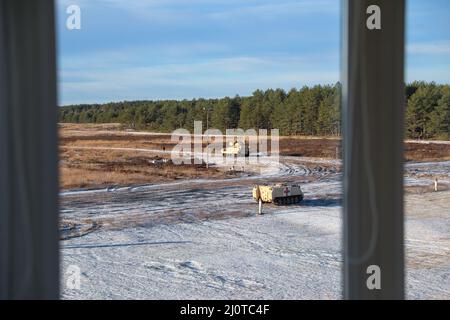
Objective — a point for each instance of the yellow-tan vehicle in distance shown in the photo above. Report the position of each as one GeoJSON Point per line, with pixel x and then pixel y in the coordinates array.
{"type": "Point", "coordinates": [278, 194]}
{"type": "Point", "coordinates": [235, 148]}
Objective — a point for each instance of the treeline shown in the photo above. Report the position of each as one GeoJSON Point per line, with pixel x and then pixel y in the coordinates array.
{"type": "Point", "coordinates": [427, 111]}
{"type": "Point", "coordinates": [306, 111]}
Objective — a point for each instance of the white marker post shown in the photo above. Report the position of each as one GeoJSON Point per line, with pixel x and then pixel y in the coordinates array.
{"type": "Point", "coordinates": [260, 206]}
{"type": "Point", "coordinates": [435, 185]}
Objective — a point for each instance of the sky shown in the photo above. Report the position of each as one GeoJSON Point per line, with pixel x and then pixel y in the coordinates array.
{"type": "Point", "coordinates": [184, 49]}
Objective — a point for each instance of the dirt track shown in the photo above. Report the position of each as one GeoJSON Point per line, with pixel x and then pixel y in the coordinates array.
{"type": "Point", "coordinates": [95, 156]}
{"type": "Point", "coordinates": [214, 193]}
{"type": "Point", "coordinates": [211, 199]}
{"type": "Point", "coordinates": [194, 238]}
{"type": "Point", "coordinates": [202, 239]}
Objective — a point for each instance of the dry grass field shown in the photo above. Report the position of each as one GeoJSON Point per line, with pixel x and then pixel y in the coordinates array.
{"type": "Point", "coordinates": [107, 155]}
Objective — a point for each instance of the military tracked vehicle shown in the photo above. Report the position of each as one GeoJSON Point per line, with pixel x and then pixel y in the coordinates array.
{"type": "Point", "coordinates": [236, 148]}
{"type": "Point", "coordinates": [279, 194]}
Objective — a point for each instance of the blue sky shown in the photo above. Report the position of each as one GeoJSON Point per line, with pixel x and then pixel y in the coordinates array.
{"type": "Point", "coordinates": [183, 49]}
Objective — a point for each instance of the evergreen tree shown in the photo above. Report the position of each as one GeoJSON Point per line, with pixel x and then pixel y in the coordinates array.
{"type": "Point", "coordinates": [440, 117]}
{"type": "Point", "coordinates": [419, 109]}
{"type": "Point", "coordinates": [309, 111]}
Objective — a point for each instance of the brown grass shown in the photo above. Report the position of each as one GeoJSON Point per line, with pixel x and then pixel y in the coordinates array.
{"type": "Point", "coordinates": [85, 168]}
{"type": "Point", "coordinates": [426, 152]}
{"type": "Point", "coordinates": [101, 168]}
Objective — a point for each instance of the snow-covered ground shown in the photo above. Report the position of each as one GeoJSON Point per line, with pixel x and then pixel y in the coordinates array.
{"type": "Point", "coordinates": [201, 238]}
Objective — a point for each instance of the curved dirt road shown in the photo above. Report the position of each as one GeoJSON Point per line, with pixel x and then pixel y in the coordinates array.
{"type": "Point", "coordinates": [196, 239]}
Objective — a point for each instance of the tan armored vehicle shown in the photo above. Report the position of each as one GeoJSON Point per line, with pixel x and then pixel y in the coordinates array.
{"type": "Point", "coordinates": [278, 193]}
{"type": "Point", "coordinates": [235, 148]}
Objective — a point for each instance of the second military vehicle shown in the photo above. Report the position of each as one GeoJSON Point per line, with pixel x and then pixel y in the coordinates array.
{"type": "Point", "coordinates": [278, 194]}
{"type": "Point", "coordinates": [235, 148]}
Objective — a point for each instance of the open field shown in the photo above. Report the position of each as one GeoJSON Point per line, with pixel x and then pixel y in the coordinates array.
{"type": "Point", "coordinates": [288, 253]}
{"type": "Point", "coordinates": [152, 230]}
{"type": "Point", "coordinates": [96, 156]}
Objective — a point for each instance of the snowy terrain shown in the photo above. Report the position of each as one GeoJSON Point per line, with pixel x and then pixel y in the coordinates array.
{"type": "Point", "coordinates": [201, 238]}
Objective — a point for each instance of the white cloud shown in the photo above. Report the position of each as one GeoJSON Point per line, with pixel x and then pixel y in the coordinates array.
{"type": "Point", "coordinates": [206, 78]}
{"type": "Point", "coordinates": [184, 67]}
{"type": "Point", "coordinates": [430, 48]}
{"type": "Point", "coordinates": [439, 74]}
